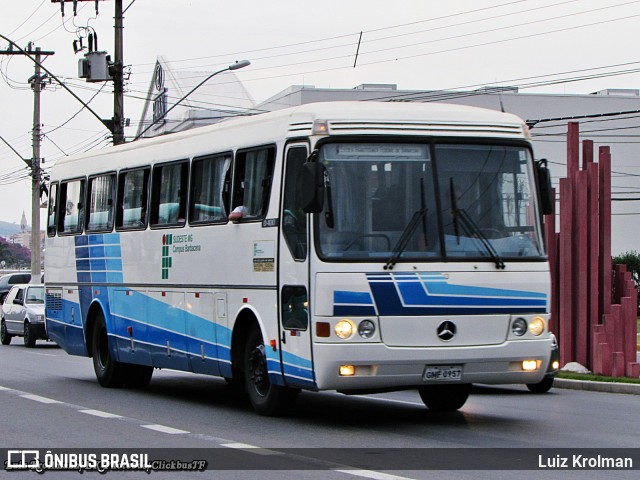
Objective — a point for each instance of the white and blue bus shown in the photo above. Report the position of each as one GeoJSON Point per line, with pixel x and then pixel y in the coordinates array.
{"type": "Point", "coordinates": [349, 246]}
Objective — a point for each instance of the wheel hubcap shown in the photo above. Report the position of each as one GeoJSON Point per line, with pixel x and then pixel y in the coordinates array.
{"type": "Point", "coordinates": [258, 370]}
{"type": "Point", "coordinates": [102, 349]}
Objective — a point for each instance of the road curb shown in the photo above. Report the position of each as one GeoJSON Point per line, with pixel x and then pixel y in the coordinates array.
{"type": "Point", "coordinates": [608, 387]}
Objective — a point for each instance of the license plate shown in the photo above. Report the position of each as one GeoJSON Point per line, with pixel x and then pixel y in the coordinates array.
{"type": "Point", "coordinates": [451, 373]}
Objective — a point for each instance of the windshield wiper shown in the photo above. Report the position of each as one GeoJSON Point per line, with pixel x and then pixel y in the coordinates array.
{"type": "Point", "coordinates": [328, 215]}
{"type": "Point", "coordinates": [405, 237]}
{"type": "Point", "coordinates": [471, 228]}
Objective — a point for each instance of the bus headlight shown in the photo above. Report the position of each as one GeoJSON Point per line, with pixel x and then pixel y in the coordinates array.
{"type": "Point", "coordinates": [536, 325]}
{"type": "Point", "coordinates": [519, 327]}
{"type": "Point", "coordinates": [344, 328]}
{"type": "Point", "coordinates": [366, 329]}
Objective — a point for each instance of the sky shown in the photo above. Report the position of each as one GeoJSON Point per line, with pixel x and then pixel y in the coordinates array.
{"type": "Point", "coordinates": [416, 44]}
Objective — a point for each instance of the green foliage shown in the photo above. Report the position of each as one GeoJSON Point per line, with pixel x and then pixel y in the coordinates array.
{"type": "Point", "coordinates": [596, 378]}
{"type": "Point", "coordinates": [632, 260]}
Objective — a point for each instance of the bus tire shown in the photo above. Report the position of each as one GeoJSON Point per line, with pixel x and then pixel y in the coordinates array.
{"type": "Point", "coordinates": [266, 398]}
{"type": "Point", "coordinates": [137, 376]}
{"type": "Point", "coordinates": [29, 335]}
{"type": "Point", "coordinates": [5, 337]}
{"type": "Point", "coordinates": [109, 372]}
{"type": "Point", "coordinates": [541, 387]}
{"type": "Point", "coordinates": [445, 398]}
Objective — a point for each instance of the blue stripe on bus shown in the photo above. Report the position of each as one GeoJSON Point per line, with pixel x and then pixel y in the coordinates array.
{"type": "Point", "coordinates": [412, 294]}
{"type": "Point", "coordinates": [153, 323]}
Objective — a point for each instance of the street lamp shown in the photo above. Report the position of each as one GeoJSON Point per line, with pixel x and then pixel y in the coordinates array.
{"type": "Point", "coordinates": [234, 66]}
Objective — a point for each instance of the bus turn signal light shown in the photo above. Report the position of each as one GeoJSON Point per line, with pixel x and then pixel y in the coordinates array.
{"type": "Point", "coordinates": [323, 329]}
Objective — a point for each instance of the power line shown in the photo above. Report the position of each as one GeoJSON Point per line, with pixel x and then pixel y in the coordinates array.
{"type": "Point", "coordinates": [578, 117]}
{"type": "Point", "coordinates": [353, 34]}
{"type": "Point", "coordinates": [77, 113]}
{"type": "Point", "coordinates": [27, 19]}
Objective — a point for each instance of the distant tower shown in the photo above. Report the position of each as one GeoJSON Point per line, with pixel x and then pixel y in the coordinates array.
{"type": "Point", "coordinates": [23, 222]}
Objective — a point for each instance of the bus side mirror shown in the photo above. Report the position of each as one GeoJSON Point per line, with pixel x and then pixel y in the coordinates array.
{"type": "Point", "coordinates": [312, 186]}
{"type": "Point", "coordinates": [544, 187]}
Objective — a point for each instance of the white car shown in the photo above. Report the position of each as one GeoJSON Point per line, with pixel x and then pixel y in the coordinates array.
{"type": "Point", "coordinates": [23, 314]}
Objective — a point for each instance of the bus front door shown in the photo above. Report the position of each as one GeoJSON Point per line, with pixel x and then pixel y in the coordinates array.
{"type": "Point", "coordinates": [295, 329]}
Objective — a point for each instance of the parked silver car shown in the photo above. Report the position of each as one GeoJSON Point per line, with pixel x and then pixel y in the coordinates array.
{"type": "Point", "coordinates": [23, 314]}
{"type": "Point", "coordinates": [9, 280]}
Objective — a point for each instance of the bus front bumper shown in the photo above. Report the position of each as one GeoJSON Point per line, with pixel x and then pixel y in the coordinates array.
{"type": "Point", "coordinates": [346, 367]}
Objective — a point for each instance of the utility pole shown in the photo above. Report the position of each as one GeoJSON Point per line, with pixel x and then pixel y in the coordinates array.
{"type": "Point", "coordinates": [34, 164]}
{"type": "Point", "coordinates": [118, 77]}
{"type": "Point", "coordinates": [115, 69]}
{"type": "Point", "coordinates": [36, 174]}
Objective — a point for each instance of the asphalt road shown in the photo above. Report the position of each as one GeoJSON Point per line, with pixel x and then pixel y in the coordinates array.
{"type": "Point", "coordinates": [51, 400]}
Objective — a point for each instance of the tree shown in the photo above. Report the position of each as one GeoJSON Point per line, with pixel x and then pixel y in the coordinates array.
{"type": "Point", "coordinates": [14, 255]}
{"type": "Point", "coordinates": [632, 260]}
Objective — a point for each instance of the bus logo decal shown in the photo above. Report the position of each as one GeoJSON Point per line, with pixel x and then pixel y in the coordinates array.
{"type": "Point", "coordinates": [167, 241]}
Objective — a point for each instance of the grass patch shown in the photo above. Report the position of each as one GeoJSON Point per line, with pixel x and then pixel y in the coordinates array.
{"type": "Point", "coordinates": [596, 378]}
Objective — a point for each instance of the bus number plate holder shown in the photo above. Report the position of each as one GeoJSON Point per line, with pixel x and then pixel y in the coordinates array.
{"type": "Point", "coordinates": [441, 373]}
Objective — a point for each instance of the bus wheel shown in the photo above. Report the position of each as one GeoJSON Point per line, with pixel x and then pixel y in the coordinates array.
{"type": "Point", "coordinates": [444, 398]}
{"type": "Point", "coordinates": [137, 376]}
{"type": "Point", "coordinates": [109, 372]}
{"type": "Point", "coordinates": [5, 337]}
{"type": "Point", "coordinates": [266, 398]}
{"type": "Point", "coordinates": [541, 387]}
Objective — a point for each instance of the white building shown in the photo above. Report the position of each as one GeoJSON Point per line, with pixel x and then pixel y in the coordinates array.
{"type": "Point", "coordinates": [221, 97]}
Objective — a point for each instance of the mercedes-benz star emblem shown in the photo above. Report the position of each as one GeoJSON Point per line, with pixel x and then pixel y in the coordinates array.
{"type": "Point", "coordinates": [446, 330]}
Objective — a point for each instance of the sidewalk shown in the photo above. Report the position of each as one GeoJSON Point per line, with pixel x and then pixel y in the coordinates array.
{"type": "Point", "coordinates": [609, 387]}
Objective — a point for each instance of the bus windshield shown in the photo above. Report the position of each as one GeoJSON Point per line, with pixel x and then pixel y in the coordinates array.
{"type": "Point", "coordinates": [394, 202]}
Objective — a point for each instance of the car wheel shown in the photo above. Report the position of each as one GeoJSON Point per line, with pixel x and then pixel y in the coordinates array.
{"type": "Point", "coordinates": [5, 337]}
{"type": "Point", "coordinates": [29, 335]}
{"type": "Point", "coordinates": [541, 387]}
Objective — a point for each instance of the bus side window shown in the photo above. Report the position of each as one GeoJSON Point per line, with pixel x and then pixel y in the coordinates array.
{"type": "Point", "coordinates": [51, 209]}
{"type": "Point", "coordinates": [252, 181]}
{"type": "Point", "coordinates": [169, 194]}
{"type": "Point", "coordinates": [293, 218]}
{"type": "Point", "coordinates": [100, 196]}
{"type": "Point", "coordinates": [72, 207]}
{"type": "Point", "coordinates": [133, 188]}
{"type": "Point", "coordinates": [208, 193]}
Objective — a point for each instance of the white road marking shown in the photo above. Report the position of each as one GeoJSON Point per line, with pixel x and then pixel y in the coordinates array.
{"type": "Point", "coordinates": [101, 414]}
{"type": "Point", "coordinates": [38, 398]}
{"type": "Point", "coordinates": [165, 429]}
{"type": "Point", "coordinates": [250, 448]}
{"type": "Point", "coordinates": [372, 474]}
